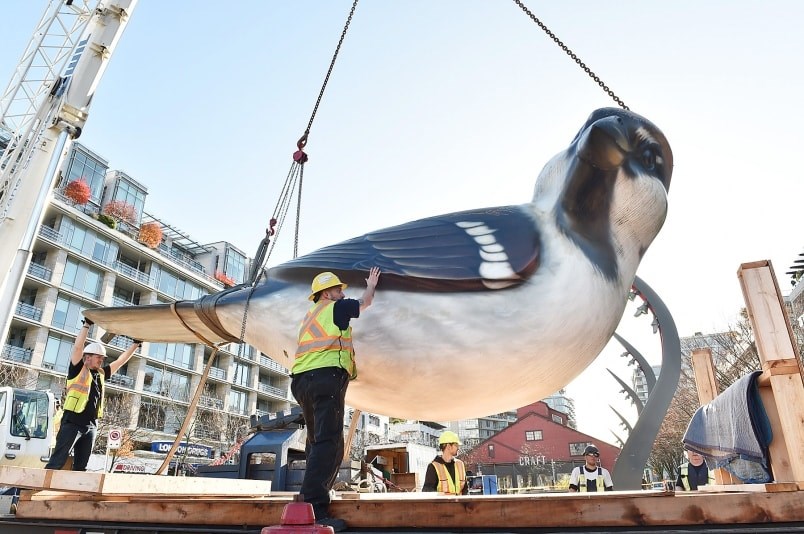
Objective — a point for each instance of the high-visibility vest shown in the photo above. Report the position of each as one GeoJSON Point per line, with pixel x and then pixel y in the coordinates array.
{"type": "Point", "coordinates": [601, 485]}
{"type": "Point", "coordinates": [685, 476]}
{"type": "Point", "coordinates": [445, 482]}
{"type": "Point", "coordinates": [77, 395]}
{"type": "Point", "coordinates": [322, 343]}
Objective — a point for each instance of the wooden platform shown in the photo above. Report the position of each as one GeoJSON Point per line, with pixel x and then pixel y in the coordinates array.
{"type": "Point", "coordinates": [434, 512]}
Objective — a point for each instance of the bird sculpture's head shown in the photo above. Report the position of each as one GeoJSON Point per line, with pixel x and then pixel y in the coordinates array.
{"type": "Point", "coordinates": [608, 190]}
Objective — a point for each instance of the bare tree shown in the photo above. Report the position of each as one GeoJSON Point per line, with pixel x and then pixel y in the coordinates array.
{"type": "Point", "coordinates": [14, 375]}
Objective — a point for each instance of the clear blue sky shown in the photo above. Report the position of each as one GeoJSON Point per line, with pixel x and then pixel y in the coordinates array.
{"type": "Point", "coordinates": [456, 104]}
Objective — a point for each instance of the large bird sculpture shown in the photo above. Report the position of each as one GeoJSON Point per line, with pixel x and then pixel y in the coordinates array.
{"type": "Point", "coordinates": [476, 312]}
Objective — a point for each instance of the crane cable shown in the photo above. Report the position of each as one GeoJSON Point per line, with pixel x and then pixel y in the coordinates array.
{"type": "Point", "coordinates": [571, 54]}
{"type": "Point", "coordinates": [295, 176]}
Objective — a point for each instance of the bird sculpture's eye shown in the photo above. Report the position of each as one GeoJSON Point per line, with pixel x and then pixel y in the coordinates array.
{"type": "Point", "coordinates": [649, 159]}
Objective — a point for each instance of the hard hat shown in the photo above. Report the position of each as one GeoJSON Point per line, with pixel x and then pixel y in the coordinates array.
{"type": "Point", "coordinates": [95, 348]}
{"type": "Point", "coordinates": [324, 281]}
{"type": "Point", "coordinates": [591, 449]}
{"type": "Point", "coordinates": [448, 436]}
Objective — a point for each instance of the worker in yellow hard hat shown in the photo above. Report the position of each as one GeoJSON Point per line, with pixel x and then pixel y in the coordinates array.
{"type": "Point", "coordinates": [446, 473]}
{"type": "Point", "coordinates": [324, 364]}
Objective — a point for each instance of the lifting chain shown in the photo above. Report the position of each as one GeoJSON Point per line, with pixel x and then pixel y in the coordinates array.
{"type": "Point", "coordinates": [295, 175]}
{"type": "Point", "coordinates": [571, 54]}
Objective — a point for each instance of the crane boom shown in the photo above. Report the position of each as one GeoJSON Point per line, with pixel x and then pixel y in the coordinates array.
{"type": "Point", "coordinates": [38, 145]}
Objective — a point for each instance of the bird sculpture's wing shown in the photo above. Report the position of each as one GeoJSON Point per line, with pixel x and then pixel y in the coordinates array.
{"type": "Point", "coordinates": [490, 248]}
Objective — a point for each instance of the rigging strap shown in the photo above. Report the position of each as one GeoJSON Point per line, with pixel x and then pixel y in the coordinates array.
{"type": "Point", "coordinates": [571, 54]}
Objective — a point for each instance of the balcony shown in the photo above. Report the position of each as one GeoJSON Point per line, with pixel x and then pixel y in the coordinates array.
{"type": "Point", "coordinates": [215, 372]}
{"type": "Point", "coordinates": [28, 311]}
{"type": "Point", "coordinates": [270, 364]}
{"type": "Point", "coordinates": [121, 380]}
{"type": "Point", "coordinates": [265, 388]}
{"type": "Point", "coordinates": [204, 433]}
{"type": "Point", "coordinates": [210, 402]}
{"type": "Point", "coordinates": [40, 271]}
{"type": "Point", "coordinates": [50, 234]}
{"type": "Point", "coordinates": [17, 354]}
{"type": "Point", "coordinates": [181, 259]}
{"type": "Point", "coordinates": [131, 272]}
{"type": "Point", "coordinates": [121, 342]}
{"type": "Point", "coordinates": [117, 301]}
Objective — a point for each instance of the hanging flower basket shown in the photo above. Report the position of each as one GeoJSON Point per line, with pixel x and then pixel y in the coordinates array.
{"type": "Point", "coordinates": [78, 191]}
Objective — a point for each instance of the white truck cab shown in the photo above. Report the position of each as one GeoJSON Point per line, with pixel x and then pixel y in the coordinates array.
{"type": "Point", "coordinates": [26, 426]}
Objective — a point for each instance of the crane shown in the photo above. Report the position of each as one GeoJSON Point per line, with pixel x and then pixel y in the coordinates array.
{"type": "Point", "coordinates": [42, 111]}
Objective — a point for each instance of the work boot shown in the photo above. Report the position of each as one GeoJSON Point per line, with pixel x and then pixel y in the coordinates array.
{"type": "Point", "coordinates": [338, 525]}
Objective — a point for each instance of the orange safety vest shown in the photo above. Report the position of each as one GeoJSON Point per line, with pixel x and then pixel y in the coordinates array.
{"type": "Point", "coordinates": [445, 482]}
{"type": "Point", "coordinates": [77, 395]}
{"type": "Point", "coordinates": [322, 343]}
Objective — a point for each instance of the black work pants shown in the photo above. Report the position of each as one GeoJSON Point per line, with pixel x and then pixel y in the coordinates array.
{"type": "Point", "coordinates": [321, 394]}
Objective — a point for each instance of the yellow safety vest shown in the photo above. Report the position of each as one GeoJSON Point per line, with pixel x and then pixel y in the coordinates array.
{"type": "Point", "coordinates": [78, 391]}
{"type": "Point", "coordinates": [599, 480]}
{"type": "Point", "coordinates": [322, 343]}
{"type": "Point", "coordinates": [445, 482]}
{"type": "Point", "coordinates": [685, 477]}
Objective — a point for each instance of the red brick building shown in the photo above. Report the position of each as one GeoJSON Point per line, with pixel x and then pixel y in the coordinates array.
{"type": "Point", "coordinates": [539, 449]}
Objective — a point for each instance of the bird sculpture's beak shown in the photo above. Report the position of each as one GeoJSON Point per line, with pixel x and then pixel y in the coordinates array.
{"type": "Point", "coordinates": [604, 144]}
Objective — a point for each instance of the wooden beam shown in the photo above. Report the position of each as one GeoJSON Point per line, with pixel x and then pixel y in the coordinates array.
{"type": "Point", "coordinates": [764, 304]}
{"type": "Point", "coordinates": [385, 511]}
{"type": "Point", "coordinates": [110, 484]}
{"type": "Point", "coordinates": [706, 383]}
{"type": "Point", "coordinates": [351, 435]}
{"type": "Point", "coordinates": [778, 354]}
{"type": "Point", "coordinates": [705, 379]}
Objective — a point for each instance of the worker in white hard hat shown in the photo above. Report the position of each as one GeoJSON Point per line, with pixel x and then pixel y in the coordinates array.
{"type": "Point", "coordinates": [324, 364]}
{"type": "Point", "coordinates": [447, 474]}
{"type": "Point", "coordinates": [83, 399]}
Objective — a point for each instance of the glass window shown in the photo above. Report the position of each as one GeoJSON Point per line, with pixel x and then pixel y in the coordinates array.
{"type": "Point", "coordinates": [533, 435]}
{"type": "Point", "coordinates": [235, 265]}
{"type": "Point", "coordinates": [242, 376]}
{"type": "Point", "coordinates": [82, 165]}
{"type": "Point", "coordinates": [166, 383]}
{"type": "Point", "coordinates": [558, 419]}
{"type": "Point", "coordinates": [82, 278]}
{"type": "Point", "coordinates": [237, 401]}
{"type": "Point", "coordinates": [57, 353]}
{"type": "Point", "coordinates": [29, 412]}
{"type": "Point", "coordinates": [576, 449]}
{"type": "Point", "coordinates": [128, 192]}
{"type": "Point", "coordinates": [67, 314]}
{"type": "Point", "coordinates": [178, 354]}
{"type": "Point", "coordinates": [151, 416]}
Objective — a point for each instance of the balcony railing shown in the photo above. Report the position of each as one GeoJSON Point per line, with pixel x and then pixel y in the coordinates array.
{"type": "Point", "coordinates": [204, 433]}
{"type": "Point", "coordinates": [17, 354]}
{"type": "Point", "coordinates": [40, 271]}
{"type": "Point", "coordinates": [131, 272]}
{"type": "Point", "coordinates": [265, 388]}
{"type": "Point", "coordinates": [181, 259]}
{"type": "Point", "coordinates": [29, 311]}
{"type": "Point", "coordinates": [122, 380]}
{"type": "Point", "coordinates": [215, 372]}
{"type": "Point", "coordinates": [49, 233]}
{"type": "Point", "coordinates": [270, 364]}
{"type": "Point", "coordinates": [117, 301]}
